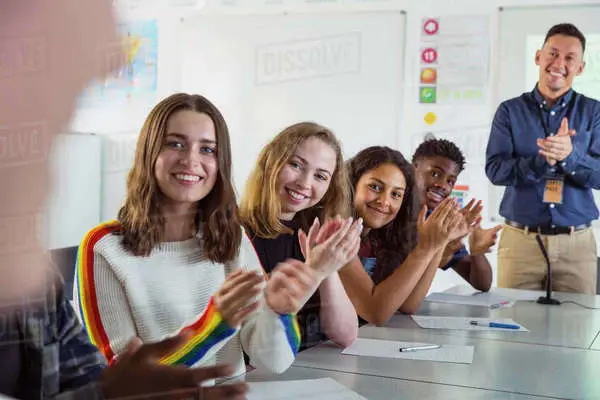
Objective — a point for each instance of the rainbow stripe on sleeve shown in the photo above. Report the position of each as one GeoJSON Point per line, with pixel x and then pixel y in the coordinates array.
{"type": "Point", "coordinates": [292, 331]}
{"type": "Point", "coordinates": [84, 279]}
{"type": "Point", "coordinates": [208, 330]}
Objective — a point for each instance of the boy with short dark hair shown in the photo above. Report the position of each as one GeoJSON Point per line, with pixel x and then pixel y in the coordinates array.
{"type": "Point", "coordinates": [437, 164]}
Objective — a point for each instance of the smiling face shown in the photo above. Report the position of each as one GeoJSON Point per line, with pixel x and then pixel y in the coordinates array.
{"type": "Point", "coordinates": [305, 178]}
{"type": "Point", "coordinates": [379, 194]}
{"type": "Point", "coordinates": [560, 60]}
{"type": "Point", "coordinates": [186, 168]}
{"type": "Point", "coordinates": [436, 177]}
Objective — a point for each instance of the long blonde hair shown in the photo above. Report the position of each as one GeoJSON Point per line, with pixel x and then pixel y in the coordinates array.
{"type": "Point", "coordinates": [260, 207]}
{"type": "Point", "coordinates": [141, 220]}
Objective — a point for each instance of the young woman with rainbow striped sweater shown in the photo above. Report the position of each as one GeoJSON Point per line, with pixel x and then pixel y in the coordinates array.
{"type": "Point", "coordinates": [177, 261]}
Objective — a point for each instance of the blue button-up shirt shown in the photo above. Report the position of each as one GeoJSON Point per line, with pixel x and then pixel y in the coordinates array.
{"type": "Point", "coordinates": [512, 159]}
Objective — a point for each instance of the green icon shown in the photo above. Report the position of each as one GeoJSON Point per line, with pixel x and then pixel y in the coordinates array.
{"type": "Point", "coordinates": [427, 95]}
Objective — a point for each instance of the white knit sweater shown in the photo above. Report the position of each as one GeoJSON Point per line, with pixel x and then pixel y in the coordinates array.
{"type": "Point", "coordinates": [119, 296]}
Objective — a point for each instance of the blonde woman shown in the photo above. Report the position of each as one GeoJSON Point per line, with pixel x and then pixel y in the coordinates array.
{"type": "Point", "coordinates": [299, 180]}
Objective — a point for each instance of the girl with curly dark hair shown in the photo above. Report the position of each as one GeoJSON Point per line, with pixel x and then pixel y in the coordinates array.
{"type": "Point", "coordinates": [393, 270]}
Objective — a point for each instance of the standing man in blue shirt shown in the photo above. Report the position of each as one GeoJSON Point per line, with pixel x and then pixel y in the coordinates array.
{"type": "Point", "coordinates": [544, 147]}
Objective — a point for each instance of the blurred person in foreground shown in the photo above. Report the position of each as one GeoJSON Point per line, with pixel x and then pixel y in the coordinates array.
{"type": "Point", "coordinates": [49, 51]}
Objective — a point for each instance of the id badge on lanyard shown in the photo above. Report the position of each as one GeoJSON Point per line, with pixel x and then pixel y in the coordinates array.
{"type": "Point", "coordinates": [553, 192]}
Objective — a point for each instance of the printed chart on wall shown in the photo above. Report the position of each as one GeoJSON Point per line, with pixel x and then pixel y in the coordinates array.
{"type": "Point", "coordinates": [453, 60]}
{"type": "Point", "coordinates": [136, 81]}
{"type": "Point", "coordinates": [452, 76]}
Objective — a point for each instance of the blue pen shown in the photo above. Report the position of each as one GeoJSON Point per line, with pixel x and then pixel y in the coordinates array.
{"type": "Point", "coordinates": [495, 325]}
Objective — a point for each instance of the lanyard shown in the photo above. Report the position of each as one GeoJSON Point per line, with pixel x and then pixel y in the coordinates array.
{"type": "Point", "coordinates": [543, 119]}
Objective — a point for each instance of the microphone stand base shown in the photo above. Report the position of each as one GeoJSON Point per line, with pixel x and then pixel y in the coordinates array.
{"type": "Point", "coordinates": [548, 301]}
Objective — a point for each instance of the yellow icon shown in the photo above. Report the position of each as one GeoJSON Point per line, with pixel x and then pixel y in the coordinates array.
{"type": "Point", "coordinates": [430, 118]}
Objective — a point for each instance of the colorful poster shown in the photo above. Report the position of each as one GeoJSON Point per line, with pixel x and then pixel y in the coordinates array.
{"type": "Point", "coordinates": [137, 79]}
{"type": "Point", "coordinates": [454, 57]}
{"type": "Point", "coordinates": [460, 193]}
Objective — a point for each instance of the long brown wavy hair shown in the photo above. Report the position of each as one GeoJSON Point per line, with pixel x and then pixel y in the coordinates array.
{"type": "Point", "coordinates": [141, 219]}
{"type": "Point", "coordinates": [395, 240]}
{"type": "Point", "coordinates": [260, 207]}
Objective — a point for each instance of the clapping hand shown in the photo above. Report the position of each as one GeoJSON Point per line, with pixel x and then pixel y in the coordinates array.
{"type": "Point", "coordinates": [444, 225]}
{"type": "Point", "coordinates": [472, 212]}
{"type": "Point", "coordinates": [329, 247]}
{"type": "Point", "coordinates": [138, 374]}
{"type": "Point", "coordinates": [472, 216]}
{"type": "Point", "coordinates": [291, 284]}
{"type": "Point", "coordinates": [236, 298]}
{"type": "Point", "coordinates": [481, 240]}
{"type": "Point", "coordinates": [558, 147]}
{"type": "Point", "coordinates": [449, 251]}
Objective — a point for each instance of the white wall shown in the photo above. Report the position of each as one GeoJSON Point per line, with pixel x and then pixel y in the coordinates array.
{"type": "Point", "coordinates": [268, 72]}
{"type": "Point", "coordinates": [451, 120]}
{"type": "Point", "coordinates": [117, 159]}
{"type": "Point", "coordinates": [74, 201]}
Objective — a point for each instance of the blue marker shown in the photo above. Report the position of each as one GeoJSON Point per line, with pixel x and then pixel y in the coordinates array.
{"type": "Point", "coordinates": [496, 325]}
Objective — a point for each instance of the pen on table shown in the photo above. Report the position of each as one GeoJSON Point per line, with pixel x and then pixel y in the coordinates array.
{"type": "Point", "coordinates": [417, 348]}
{"type": "Point", "coordinates": [498, 305]}
{"type": "Point", "coordinates": [496, 325]}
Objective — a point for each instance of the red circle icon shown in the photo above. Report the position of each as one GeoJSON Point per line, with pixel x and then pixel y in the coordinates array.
{"type": "Point", "coordinates": [429, 55]}
{"type": "Point", "coordinates": [431, 26]}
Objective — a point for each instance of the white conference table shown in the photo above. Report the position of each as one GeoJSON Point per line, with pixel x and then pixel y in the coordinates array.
{"type": "Point", "coordinates": [381, 388]}
{"type": "Point", "coordinates": [553, 360]}
{"type": "Point", "coordinates": [566, 325]}
{"type": "Point", "coordinates": [538, 370]}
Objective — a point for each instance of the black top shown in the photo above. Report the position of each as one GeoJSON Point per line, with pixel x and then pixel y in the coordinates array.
{"type": "Point", "coordinates": [10, 354]}
{"type": "Point", "coordinates": [283, 247]}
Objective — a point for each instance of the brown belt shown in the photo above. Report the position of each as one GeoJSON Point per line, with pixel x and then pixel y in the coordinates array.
{"type": "Point", "coordinates": [548, 230]}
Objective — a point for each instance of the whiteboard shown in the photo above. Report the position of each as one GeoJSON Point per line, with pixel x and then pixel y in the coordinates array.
{"type": "Point", "coordinates": [73, 205]}
{"type": "Point", "coordinates": [522, 32]}
{"type": "Point", "coordinates": [343, 71]}
{"type": "Point", "coordinates": [118, 152]}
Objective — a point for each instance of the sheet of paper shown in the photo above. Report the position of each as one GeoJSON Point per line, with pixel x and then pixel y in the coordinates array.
{"type": "Point", "coordinates": [464, 323]}
{"type": "Point", "coordinates": [514, 294]}
{"type": "Point", "coordinates": [490, 300]}
{"type": "Point", "coordinates": [322, 389]}
{"type": "Point", "coordinates": [391, 349]}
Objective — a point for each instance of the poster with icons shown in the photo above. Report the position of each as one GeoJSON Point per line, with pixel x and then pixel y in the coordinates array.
{"type": "Point", "coordinates": [428, 56]}
{"type": "Point", "coordinates": [454, 60]}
